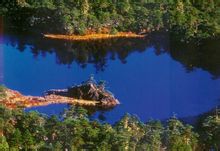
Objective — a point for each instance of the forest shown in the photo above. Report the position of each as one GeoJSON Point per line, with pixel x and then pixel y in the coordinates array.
{"type": "Point", "coordinates": [189, 19]}
{"type": "Point", "coordinates": [76, 131]}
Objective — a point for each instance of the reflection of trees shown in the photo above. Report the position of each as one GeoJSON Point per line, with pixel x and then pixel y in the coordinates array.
{"type": "Point", "coordinates": [206, 55]}
{"type": "Point", "coordinates": [83, 52]}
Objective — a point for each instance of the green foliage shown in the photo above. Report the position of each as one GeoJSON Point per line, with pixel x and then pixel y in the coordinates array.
{"type": "Point", "coordinates": [180, 137]}
{"type": "Point", "coordinates": [15, 140]}
{"type": "Point", "coordinates": [152, 139]}
{"type": "Point", "coordinates": [114, 31]}
{"type": "Point", "coordinates": [210, 132]}
{"type": "Point", "coordinates": [3, 144]}
{"type": "Point", "coordinates": [188, 18]}
{"type": "Point", "coordinates": [32, 131]}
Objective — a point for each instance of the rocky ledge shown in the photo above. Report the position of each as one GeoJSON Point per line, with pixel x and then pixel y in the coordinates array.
{"type": "Point", "coordinates": [86, 94]}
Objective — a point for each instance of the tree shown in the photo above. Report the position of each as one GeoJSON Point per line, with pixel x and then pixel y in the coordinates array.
{"type": "Point", "coordinates": [15, 140]}
{"type": "Point", "coordinates": [84, 7]}
{"type": "Point", "coordinates": [179, 137]}
{"type": "Point", "coordinates": [28, 140]}
{"type": "Point", "coordinates": [211, 132]}
{"type": "Point", "coordinates": [152, 139]}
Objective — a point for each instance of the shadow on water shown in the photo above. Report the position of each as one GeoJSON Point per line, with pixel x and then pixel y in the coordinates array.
{"type": "Point", "coordinates": [204, 55]}
{"type": "Point", "coordinates": [96, 52]}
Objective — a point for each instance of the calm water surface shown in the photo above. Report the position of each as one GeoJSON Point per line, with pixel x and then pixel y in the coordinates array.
{"type": "Point", "coordinates": [152, 78]}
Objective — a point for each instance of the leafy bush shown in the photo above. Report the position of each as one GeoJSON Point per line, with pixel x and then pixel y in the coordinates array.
{"type": "Point", "coordinates": [114, 31]}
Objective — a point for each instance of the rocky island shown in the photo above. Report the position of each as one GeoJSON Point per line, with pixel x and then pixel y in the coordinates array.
{"type": "Point", "coordinates": [88, 93]}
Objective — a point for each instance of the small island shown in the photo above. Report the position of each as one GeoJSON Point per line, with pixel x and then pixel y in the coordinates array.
{"type": "Point", "coordinates": [87, 93]}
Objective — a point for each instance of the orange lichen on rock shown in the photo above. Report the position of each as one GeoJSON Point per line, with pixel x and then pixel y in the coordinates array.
{"type": "Point", "coordinates": [94, 36]}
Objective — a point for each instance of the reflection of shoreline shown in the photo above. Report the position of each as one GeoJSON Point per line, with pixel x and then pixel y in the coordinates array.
{"type": "Point", "coordinates": [96, 52]}
{"type": "Point", "coordinates": [204, 55]}
{"type": "Point", "coordinates": [1, 51]}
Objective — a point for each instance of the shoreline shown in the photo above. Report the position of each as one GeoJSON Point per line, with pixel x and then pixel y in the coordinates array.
{"type": "Point", "coordinates": [93, 36]}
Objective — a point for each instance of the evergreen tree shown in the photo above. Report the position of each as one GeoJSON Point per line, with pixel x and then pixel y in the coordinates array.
{"type": "Point", "coordinates": [16, 140]}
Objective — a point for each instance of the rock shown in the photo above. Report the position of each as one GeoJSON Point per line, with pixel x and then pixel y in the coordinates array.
{"type": "Point", "coordinates": [88, 90]}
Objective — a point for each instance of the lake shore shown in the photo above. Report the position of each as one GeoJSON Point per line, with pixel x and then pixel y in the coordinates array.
{"type": "Point", "coordinates": [93, 36]}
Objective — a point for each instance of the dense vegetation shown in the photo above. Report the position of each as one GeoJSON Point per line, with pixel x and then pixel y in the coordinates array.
{"type": "Point", "coordinates": [188, 18]}
{"type": "Point", "coordinates": [32, 131]}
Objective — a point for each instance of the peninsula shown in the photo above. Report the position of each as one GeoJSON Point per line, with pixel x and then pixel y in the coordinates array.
{"type": "Point", "coordinates": [86, 94]}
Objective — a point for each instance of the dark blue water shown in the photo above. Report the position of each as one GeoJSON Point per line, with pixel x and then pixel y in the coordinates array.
{"type": "Point", "coordinates": [148, 83]}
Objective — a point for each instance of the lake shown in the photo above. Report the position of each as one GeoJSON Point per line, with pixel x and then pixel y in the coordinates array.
{"type": "Point", "coordinates": [155, 77]}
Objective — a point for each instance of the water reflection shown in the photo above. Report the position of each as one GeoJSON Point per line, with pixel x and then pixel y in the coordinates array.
{"type": "Point", "coordinates": [97, 52]}
{"type": "Point", "coordinates": [204, 55]}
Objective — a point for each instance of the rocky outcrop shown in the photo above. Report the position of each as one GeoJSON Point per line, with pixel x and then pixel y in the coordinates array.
{"type": "Point", "coordinates": [88, 90]}
{"type": "Point", "coordinates": [86, 94]}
